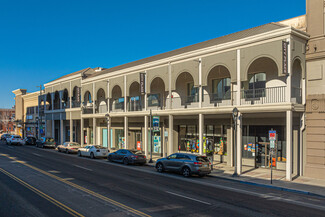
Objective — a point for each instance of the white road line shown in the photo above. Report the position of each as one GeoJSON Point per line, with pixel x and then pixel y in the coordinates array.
{"type": "Point", "coordinates": [200, 201]}
{"type": "Point", "coordinates": [82, 167]}
{"type": "Point", "coordinates": [10, 147]}
{"type": "Point", "coordinates": [37, 154]}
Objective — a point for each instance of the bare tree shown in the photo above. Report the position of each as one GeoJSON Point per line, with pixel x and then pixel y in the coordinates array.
{"type": "Point", "coordinates": [5, 118]}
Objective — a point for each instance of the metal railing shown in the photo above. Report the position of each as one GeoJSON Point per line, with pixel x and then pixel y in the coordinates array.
{"type": "Point", "coordinates": [117, 105]}
{"type": "Point", "coordinates": [155, 102]}
{"type": "Point", "coordinates": [263, 95]}
{"type": "Point", "coordinates": [135, 103]}
{"type": "Point", "coordinates": [87, 108]}
{"type": "Point", "coordinates": [75, 104]}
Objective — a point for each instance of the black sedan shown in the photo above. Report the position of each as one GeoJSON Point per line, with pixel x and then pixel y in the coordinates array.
{"type": "Point", "coordinates": [127, 156]}
{"type": "Point", "coordinates": [30, 140]}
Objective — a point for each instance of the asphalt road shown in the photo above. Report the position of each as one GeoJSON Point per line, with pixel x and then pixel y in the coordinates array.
{"type": "Point", "coordinates": [40, 182]}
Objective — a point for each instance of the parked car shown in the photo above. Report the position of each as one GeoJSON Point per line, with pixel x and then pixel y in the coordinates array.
{"type": "Point", "coordinates": [47, 142]}
{"type": "Point", "coordinates": [93, 151]}
{"type": "Point", "coordinates": [14, 140]}
{"type": "Point", "coordinates": [29, 140]}
{"type": "Point", "coordinates": [127, 156]}
{"type": "Point", "coordinates": [5, 136]}
{"type": "Point", "coordinates": [69, 147]}
{"type": "Point", "coordinates": [186, 164]}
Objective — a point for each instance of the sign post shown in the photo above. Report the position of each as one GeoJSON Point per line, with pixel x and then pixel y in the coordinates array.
{"type": "Point", "coordinates": [272, 138]}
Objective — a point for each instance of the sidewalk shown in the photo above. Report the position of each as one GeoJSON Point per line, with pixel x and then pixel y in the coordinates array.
{"type": "Point", "coordinates": [261, 177]}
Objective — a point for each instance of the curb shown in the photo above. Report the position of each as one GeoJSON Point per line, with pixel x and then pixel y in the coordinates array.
{"type": "Point", "coordinates": [263, 185]}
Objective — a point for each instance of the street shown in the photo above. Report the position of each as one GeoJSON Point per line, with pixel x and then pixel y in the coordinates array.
{"type": "Point", "coordinates": [43, 182]}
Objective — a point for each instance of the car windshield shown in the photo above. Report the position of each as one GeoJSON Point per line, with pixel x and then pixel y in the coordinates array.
{"type": "Point", "coordinates": [74, 144]}
{"type": "Point", "coordinates": [202, 159]}
{"type": "Point", "coordinates": [135, 152]}
{"type": "Point", "coordinates": [49, 140]}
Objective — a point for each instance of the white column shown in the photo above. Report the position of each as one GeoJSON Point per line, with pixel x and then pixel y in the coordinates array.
{"type": "Point", "coordinates": [53, 127]}
{"type": "Point", "coordinates": [125, 97]}
{"type": "Point", "coordinates": [301, 144]}
{"type": "Point", "coordinates": [109, 134]}
{"type": "Point", "coordinates": [145, 95]}
{"type": "Point", "coordinates": [61, 129]}
{"type": "Point", "coordinates": [289, 146]}
{"type": "Point", "coordinates": [82, 131]}
{"type": "Point", "coordinates": [231, 139]}
{"type": "Point", "coordinates": [201, 126]}
{"type": "Point", "coordinates": [170, 84]}
{"type": "Point", "coordinates": [170, 136]}
{"type": "Point", "coordinates": [146, 135]}
{"type": "Point", "coordinates": [126, 131]}
{"type": "Point", "coordinates": [94, 131]}
{"type": "Point", "coordinates": [71, 128]}
{"type": "Point", "coordinates": [200, 85]}
{"type": "Point", "coordinates": [288, 87]}
{"type": "Point", "coordinates": [70, 100]}
{"type": "Point", "coordinates": [239, 143]}
{"type": "Point", "coordinates": [108, 98]}
{"type": "Point", "coordinates": [238, 79]}
{"type": "Point", "coordinates": [93, 99]}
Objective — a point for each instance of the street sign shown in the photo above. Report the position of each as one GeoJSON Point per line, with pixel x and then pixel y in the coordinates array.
{"type": "Point", "coordinates": [272, 144]}
{"type": "Point", "coordinates": [155, 123]}
{"type": "Point", "coordinates": [142, 83]}
{"type": "Point", "coordinates": [272, 135]}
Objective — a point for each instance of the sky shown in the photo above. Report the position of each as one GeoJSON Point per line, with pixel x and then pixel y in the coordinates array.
{"type": "Point", "coordinates": [44, 40]}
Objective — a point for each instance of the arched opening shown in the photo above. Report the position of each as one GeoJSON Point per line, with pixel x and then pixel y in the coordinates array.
{"type": "Point", "coordinates": [56, 100]}
{"type": "Point", "coordinates": [117, 102]}
{"type": "Point", "coordinates": [187, 92]}
{"type": "Point", "coordinates": [65, 99]}
{"type": "Point", "coordinates": [101, 101]}
{"type": "Point", "coordinates": [76, 97]}
{"type": "Point", "coordinates": [296, 82]}
{"type": "Point", "coordinates": [134, 102]}
{"type": "Point", "coordinates": [48, 102]}
{"type": "Point", "coordinates": [87, 99]}
{"type": "Point", "coordinates": [263, 84]}
{"type": "Point", "coordinates": [219, 84]}
{"type": "Point", "coordinates": [157, 96]}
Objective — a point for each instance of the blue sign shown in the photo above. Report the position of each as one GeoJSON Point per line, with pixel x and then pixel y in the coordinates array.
{"type": "Point", "coordinates": [155, 123]}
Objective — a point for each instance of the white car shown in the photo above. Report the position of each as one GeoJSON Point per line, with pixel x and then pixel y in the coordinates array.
{"type": "Point", "coordinates": [14, 140]}
{"type": "Point", "coordinates": [93, 151]}
{"type": "Point", "coordinates": [69, 147]}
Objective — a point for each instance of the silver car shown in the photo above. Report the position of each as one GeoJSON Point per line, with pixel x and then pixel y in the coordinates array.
{"type": "Point", "coordinates": [186, 164]}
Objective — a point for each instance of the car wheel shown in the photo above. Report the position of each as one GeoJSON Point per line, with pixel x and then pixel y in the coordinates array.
{"type": "Point", "coordinates": [92, 156]}
{"type": "Point", "coordinates": [109, 158]}
{"type": "Point", "coordinates": [79, 153]}
{"type": "Point", "coordinates": [160, 168]}
{"type": "Point", "coordinates": [67, 151]}
{"type": "Point", "coordinates": [126, 161]}
{"type": "Point", "coordinates": [186, 172]}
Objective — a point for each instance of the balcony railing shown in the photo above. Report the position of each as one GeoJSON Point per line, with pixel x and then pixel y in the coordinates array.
{"type": "Point", "coordinates": [219, 99]}
{"type": "Point", "coordinates": [135, 103]}
{"type": "Point", "coordinates": [66, 105]}
{"type": "Point", "coordinates": [75, 104]}
{"type": "Point", "coordinates": [88, 108]}
{"type": "Point", "coordinates": [154, 102]}
{"type": "Point", "coordinates": [117, 105]}
{"type": "Point", "coordinates": [184, 102]}
{"type": "Point", "coordinates": [263, 95]}
{"type": "Point", "coordinates": [101, 107]}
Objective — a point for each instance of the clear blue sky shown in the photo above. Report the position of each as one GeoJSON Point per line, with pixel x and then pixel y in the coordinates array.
{"type": "Point", "coordinates": [43, 40]}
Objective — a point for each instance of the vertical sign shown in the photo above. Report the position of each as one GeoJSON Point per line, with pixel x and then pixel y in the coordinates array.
{"type": "Point", "coordinates": [142, 83]}
{"type": "Point", "coordinates": [155, 123]}
{"type": "Point", "coordinates": [284, 57]}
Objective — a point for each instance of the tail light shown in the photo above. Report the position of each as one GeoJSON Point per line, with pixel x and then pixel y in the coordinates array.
{"type": "Point", "coordinates": [197, 163]}
{"type": "Point", "coordinates": [144, 156]}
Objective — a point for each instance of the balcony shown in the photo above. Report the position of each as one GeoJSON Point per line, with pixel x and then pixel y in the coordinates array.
{"type": "Point", "coordinates": [135, 103]}
{"type": "Point", "coordinates": [117, 105]}
{"type": "Point", "coordinates": [155, 102]}
{"type": "Point", "coordinates": [101, 107]}
{"type": "Point", "coordinates": [75, 104]}
{"type": "Point", "coordinates": [66, 105]}
{"type": "Point", "coordinates": [87, 108]}
{"type": "Point", "coordinates": [263, 95]}
{"type": "Point", "coordinates": [219, 99]}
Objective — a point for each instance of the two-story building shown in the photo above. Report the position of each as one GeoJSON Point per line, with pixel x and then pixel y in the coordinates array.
{"type": "Point", "coordinates": [192, 92]}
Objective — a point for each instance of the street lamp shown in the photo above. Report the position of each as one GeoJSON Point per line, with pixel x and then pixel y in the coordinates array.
{"type": "Point", "coordinates": [108, 131]}
{"type": "Point", "coordinates": [234, 117]}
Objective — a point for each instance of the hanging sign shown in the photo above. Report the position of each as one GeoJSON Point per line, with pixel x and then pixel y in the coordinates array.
{"type": "Point", "coordinates": [284, 57]}
{"type": "Point", "coordinates": [142, 83]}
{"type": "Point", "coordinates": [155, 123]}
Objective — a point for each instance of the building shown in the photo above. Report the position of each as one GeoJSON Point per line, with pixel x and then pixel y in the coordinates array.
{"type": "Point", "coordinates": [27, 121]}
{"type": "Point", "coordinates": [7, 117]}
{"type": "Point", "coordinates": [271, 74]}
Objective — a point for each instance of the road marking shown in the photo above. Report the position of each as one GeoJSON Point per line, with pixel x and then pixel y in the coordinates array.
{"type": "Point", "coordinates": [10, 147]}
{"type": "Point", "coordinates": [68, 179]}
{"type": "Point", "coordinates": [111, 201]}
{"type": "Point", "coordinates": [37, 154]}
{"type": "Point", "coordinates": [190, 198]}
{"type": "Point", "coordinates": [54, 171]}
{"type": "Point", "coordinates": [82, 167]}
{"type": "Point", "coordinates": [42, 194]}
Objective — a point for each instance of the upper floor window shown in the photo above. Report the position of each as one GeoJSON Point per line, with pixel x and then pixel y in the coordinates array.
{"type": "Point", "coordinates": [257, 81]}
{"type": "Point", "coordinates": [192, 93]}
{"type": "Point", "coordinates": [221, 89]}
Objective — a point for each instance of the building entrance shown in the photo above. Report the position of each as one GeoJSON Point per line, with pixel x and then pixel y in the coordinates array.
{"type": "Point", "coordinates": [135, 140]}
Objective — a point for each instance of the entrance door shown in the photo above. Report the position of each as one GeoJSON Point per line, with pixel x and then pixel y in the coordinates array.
{"type": "Point", "coordinates": [138, 142]}
{"type": "Point", "coordinates": [105, 137]}
{"type": "Point", "coordinates": [263, 154]}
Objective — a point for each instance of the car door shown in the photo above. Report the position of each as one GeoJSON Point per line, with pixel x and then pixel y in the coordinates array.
{"type": "Point", "coordinates": [122, 155]}
{"type": "Point", "coordinates": [83, 150]}
{"type": "Point", "coordinates": [114, 156]}
{"type": "Point", "coordinates": [170, 162]}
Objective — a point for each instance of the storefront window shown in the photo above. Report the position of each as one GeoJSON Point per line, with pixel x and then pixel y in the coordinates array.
{"type": "Point", "coordinates": [119, 139]}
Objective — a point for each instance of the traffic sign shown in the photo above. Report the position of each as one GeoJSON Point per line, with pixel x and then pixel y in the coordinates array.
{"type": "Point", "coordinates": [272, 135]}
